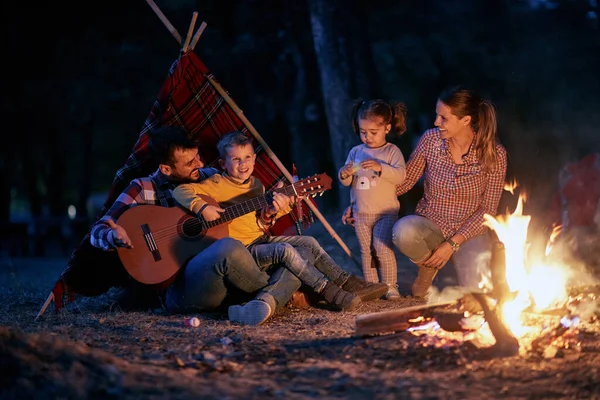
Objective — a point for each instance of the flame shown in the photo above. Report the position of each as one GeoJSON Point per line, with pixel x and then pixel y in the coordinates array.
{"type": "Point", "coordinates": [538, 286]}
{"type": "Point", "coordinates": [511, 186]}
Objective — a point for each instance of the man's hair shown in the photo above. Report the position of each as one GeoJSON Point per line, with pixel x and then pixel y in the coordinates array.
{"type": "Point", "coordinates": [165, 139]}
{"type": "Point", "coordinates": [235, 138]}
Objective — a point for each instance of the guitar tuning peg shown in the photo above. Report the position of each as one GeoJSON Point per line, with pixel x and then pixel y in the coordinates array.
{"type": "Point", "coordinates": [314, 195]}
{"type": "Point", "coordinates": [321, 194]}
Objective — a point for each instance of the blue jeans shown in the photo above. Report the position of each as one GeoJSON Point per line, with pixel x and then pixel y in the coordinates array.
{"type": "Point", "coordinates": [302, 256]}
{"type": "Point", "coordinates": [208, 278]}
{"type": "Point", "coordinates": [416, 237]}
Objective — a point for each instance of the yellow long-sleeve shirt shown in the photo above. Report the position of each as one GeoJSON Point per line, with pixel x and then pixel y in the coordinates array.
{"type": "Point", "coordinates": [226, 192]}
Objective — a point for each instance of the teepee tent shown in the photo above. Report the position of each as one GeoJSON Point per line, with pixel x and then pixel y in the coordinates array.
{"type": "Point", "coordinates": [190, 97]}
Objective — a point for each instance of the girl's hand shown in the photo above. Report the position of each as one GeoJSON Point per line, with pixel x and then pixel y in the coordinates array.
{"type": "Point", "coordinates": [440, 257]}
{"type": "Point", "coordinates": [371, 164]}
{"type": "Point", "coordinates": [347, 170]}
{"type": "Point", "coordinates": [347, 218]}
{"type": "Point", "coordinates": [211, 213]}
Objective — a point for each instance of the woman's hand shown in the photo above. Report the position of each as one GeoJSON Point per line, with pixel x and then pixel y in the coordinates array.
{"type": "Point", "coordinates": [347, 218]}
{"type": "Point", "coordinates": [440, 256]}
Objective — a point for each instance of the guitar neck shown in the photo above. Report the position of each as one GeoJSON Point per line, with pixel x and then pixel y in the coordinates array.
{"type": "Point", "coordinates": [248, 206]}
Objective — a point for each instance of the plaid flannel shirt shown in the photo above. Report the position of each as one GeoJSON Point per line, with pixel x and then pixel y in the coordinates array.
{"type": "Point", "coordinates": [139, 191]}
{"type": "Point", "coordinates": [456, 196]}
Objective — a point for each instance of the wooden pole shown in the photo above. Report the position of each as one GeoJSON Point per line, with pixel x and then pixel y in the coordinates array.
{"type": "Point", "coordinates": [282, 168]}
{"type": "Point", "coordinates": [165, 21]}
{"type": "Point", "coordinates": [190, 31]}
{"type": "Point", "coordinates": [45, 306]}
{"type": "Point", "coordinates": [197, 35]}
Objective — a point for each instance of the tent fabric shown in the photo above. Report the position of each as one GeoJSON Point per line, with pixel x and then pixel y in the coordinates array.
{"type": "Point", "coordinates": [186, 99]}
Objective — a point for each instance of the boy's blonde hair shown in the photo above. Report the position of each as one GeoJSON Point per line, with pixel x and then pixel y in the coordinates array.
{"type": "Point", "coordinates": [235, 138]}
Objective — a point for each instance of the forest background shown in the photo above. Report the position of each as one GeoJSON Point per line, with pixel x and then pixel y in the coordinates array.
{"type": "Point", "coordinates": [81, 82]}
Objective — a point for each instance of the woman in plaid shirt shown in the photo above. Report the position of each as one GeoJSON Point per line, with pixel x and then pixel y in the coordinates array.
{"type": "Point", "coordinates": [464, 167]}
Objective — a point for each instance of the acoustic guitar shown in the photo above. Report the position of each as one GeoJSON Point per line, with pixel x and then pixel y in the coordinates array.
{"type": "Point", "coordinates": [165, 238]}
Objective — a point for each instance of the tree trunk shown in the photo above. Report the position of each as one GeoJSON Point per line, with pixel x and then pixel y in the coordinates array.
{"type": "Point", "coordinates": [342, 52]}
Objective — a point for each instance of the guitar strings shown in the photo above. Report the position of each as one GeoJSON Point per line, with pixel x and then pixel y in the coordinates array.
{"type": "Point", "coordinates": [246, 207]}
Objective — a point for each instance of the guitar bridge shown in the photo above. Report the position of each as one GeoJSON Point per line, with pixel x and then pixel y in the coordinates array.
{"type": "Point", "coordinates": [149, 238]}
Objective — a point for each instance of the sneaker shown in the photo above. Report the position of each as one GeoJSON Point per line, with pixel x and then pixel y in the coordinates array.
{"type": "Point", "coordinates": [254, 312]}
{"type": "Point", "coordinates": [339, 298]}
{"type": "Point", "coordinates": [365, 290]}
{"type": "Point", "coordinates": [392, 293]}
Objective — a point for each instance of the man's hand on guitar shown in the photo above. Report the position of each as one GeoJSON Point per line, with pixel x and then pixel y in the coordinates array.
{"type": "Point", "coordinates": [211, 213]}
{"type": "Point", "coordinates": [120, 238]}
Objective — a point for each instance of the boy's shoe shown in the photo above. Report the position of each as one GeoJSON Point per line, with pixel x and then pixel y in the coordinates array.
{"type": "Point", "coordinates": [365, 290]}
{"type": "Point", "coordinates": [254, 312]}
{"type": "Point", "coordinates": [339, 298]}
{"type": "Point", "coordinates": [392, 293]}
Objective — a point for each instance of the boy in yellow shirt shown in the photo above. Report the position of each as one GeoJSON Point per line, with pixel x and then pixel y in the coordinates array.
{"type": "Point", "coordinates": [301, 255]}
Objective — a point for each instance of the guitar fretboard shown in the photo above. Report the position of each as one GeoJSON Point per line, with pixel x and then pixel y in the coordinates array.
{"type": "Point", "coordinates": [247, 206]}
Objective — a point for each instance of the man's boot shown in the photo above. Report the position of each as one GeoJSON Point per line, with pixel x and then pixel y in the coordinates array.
{"type": "Point", "coordinates": [365, 290]}
{"type": "Point", "coordinates": [339, 298]}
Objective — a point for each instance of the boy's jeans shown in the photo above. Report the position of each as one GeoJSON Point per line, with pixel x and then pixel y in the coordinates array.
{"type": "Point", "coordinates": [301, 255]}
{"type": "Point", "coordinates": [416, 237]}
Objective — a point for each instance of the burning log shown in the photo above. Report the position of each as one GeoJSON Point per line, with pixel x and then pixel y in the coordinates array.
{"type": "Point", "coordinates": [540, 344]}
{"type": "Point", "coordinates": [396, 320]}
{"type": "Point", "coordinates": [500, 290]}
{"type": "Point", "coordinates": [506, 344]}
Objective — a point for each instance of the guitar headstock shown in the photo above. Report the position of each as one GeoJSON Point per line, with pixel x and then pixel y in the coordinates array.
{"type": "Point", "coordinates": [312, 185]}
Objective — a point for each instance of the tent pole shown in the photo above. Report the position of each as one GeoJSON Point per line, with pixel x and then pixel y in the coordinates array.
{"type": "Point", "coordinates": [45, 306]}
{"type": "Point", "coordinates": [165, 21]}
{"type": "Point", "coordinates": [284, 170]}
{"type": "Point", "coordinates": [190, 31]}
{"type": "Point", "coordinates": [197, 35]}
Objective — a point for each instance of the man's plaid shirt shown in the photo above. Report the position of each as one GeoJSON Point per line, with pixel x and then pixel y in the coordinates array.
{"type": "Point", "coordinates": [456, 196]}
{"type": "Point", "coordinates": [139, 191]}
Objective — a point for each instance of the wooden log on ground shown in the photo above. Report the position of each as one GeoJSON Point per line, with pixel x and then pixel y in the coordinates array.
{"type": "Point", "coordinates": [395, 320]}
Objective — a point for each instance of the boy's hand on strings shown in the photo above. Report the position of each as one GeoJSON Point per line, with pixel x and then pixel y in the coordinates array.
{"type": "Point", "coordinates": [120, 237]}
{"type": "Point", "coordinates": [280, 202]}
{"type": "Point", "coordinates": [211, 213]}
{"type": "Point", "coordinates": [371, 164]}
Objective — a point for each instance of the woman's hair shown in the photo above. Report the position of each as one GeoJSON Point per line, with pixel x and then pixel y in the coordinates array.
{"type": "Point", "coordinates": [379, 111]}
{"type": "Point", "coordinates": [463, 102]}
{"type": "Point", "coordinates": [165, 139]}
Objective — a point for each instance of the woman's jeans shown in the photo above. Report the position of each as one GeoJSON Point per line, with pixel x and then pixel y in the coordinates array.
{"type": "Point", "coordinates": [416, 237]}
{"type": "Point", "coordinates": [225, 266]}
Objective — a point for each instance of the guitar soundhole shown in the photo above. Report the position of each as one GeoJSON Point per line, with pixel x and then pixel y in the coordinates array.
{"type": "Point", "coordinates": [191, 228]}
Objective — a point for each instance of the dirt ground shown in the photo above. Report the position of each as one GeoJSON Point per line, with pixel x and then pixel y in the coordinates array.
{"type": "Point", "coordinates": [94, 349]}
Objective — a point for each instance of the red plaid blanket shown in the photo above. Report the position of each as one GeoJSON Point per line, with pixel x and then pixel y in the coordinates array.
{"type": "Point", "coordinates": [187, 99]}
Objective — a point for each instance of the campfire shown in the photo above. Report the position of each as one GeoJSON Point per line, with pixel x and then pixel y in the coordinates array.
{"type": "Point", "coordinates": [526, 302]}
